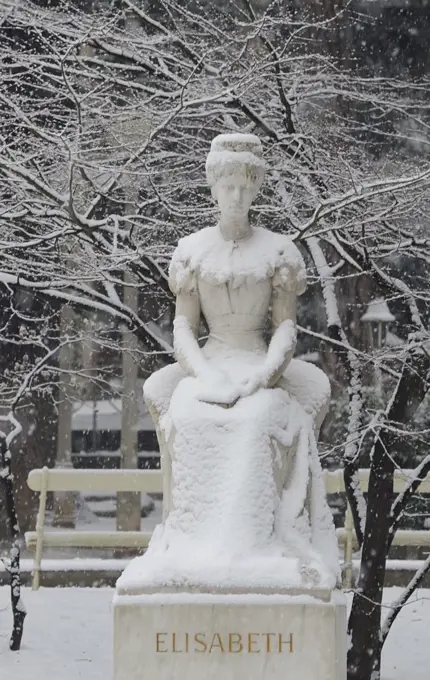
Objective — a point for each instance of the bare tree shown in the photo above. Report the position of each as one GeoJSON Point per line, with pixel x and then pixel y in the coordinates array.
{"type": "Point", "coordinates": [104, 105]}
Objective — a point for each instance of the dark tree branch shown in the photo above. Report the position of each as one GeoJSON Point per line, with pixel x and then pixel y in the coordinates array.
{"type": "Point", "coordinates": [398, 507]}
{"type": "Point", "coordinates": [396, 608]}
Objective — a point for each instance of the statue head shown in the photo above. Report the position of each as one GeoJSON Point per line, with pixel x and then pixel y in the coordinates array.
{"type": "Point", "coordinates": [235, 172]}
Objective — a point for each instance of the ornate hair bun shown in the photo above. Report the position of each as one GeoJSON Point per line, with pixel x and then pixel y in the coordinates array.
{"type": "Point", "coordinates": [232, 153]}
{"type": "Point", "coordinates": [238, 143]}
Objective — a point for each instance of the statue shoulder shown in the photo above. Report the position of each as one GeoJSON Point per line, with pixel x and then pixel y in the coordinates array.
{"type": "Point", "coordinates": [290, 269]}
{"type": "Point", "coordinates": [207, 255]}
{"type": "Point", "coordinates": [191, 245]}
{"type": "Point", "coordinates": [186, 258]}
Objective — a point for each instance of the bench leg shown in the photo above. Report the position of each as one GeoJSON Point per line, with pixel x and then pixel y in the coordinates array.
{"type": "Point", "coordinates": [349, 528]}
{"type": "Point", "coordinates": [36, 578]}
{"type": "Point", "coordinates": [39, 530]}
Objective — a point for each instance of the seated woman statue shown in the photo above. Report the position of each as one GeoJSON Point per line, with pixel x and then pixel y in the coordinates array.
{"type": "Point", "coordinates": [237, 419]}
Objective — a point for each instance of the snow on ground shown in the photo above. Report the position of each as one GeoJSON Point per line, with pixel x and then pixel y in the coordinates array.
{"type": "Point", "coordinates": [68, 636]}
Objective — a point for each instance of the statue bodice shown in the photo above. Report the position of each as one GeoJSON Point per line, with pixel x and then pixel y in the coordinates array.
{"type": "Point", "coordinates": [234, 281]}
{"type": "Point", "coordinates": [235, 315]}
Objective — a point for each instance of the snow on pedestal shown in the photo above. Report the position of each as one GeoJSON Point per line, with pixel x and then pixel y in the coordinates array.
{"type": "Point", "coordinates": [237, 421]}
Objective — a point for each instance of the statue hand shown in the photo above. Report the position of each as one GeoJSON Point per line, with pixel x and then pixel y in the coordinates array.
{"type": "Point", "coordinates": [252, 383]}
{"type": "Point", "coordinates": [216, 388]}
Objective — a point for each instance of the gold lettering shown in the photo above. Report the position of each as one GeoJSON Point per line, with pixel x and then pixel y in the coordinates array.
{"type": "Point", "coordinates": [199, 639]}
{"type": "Point", "coordinates": [237, 643]}
{"type": "Point", "coordinates": [218, 645]}
{"type": "Point", "coordinates": [235, 639]}
{"type": "Point", "coordinates": [251, 643]}
{"type": "Point", "coordinates": [159, 641]}
{"type": "Point", "coordinates": [268, 636]}
{"type": "Point", "coordinates": [174, 644]}
{"type": "Point", "coordinates": [285, 642]}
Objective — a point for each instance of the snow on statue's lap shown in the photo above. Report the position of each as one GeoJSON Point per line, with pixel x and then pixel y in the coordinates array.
{"type": "Point", "coordinates": [226, 496]}
{"type": "Point", "coordinates": [222, 466]}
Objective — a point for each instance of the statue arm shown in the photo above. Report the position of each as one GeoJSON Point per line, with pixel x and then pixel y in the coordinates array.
{"type": "Point", "coordinates": [185, 330]}
{"type": "Point", "coordinates": [283, 343]}
{"type": "Point", "coordinates": [289, 282]}
{"type": "Point", "coordinates": [215, 387]}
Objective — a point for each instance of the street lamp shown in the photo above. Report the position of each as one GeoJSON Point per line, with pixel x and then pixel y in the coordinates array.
{"type": "Point", "coordinates": [377, 319]}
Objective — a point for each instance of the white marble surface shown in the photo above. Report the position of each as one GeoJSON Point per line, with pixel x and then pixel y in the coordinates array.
{"type": "Point", "coordinates": [241, 637]}
{"type": "Point", "coordinates": [237, 418]}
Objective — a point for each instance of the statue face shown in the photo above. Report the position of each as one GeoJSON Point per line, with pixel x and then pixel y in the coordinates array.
{"type": "Point", "coordinates": [234, 194]}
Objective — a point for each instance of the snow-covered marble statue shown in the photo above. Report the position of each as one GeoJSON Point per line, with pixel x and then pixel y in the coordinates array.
{"type": "Point", "coordinates": [237, 419]}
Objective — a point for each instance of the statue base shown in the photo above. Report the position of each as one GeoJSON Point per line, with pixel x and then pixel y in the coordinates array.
{"type": "Point", "coordinates": [252, 636]}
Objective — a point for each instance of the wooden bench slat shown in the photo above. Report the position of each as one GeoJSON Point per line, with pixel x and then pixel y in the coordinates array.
{"type": "Point", "coordinates": [334, 482]}
{"type": "Point", "coordinates": [402, 537]}
{"type": "Point", "coordinates": [130, 539]}
{"type": "Point", "coordinates": [89, 539]}
{"type": "Point", "coordinates": [150, 481]}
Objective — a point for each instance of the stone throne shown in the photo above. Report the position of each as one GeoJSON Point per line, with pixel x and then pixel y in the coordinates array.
{"type": "Point", "coordinates": [247, 542]}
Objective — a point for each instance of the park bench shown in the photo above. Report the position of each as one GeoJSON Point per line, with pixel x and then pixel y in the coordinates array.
{"type": "Point", "coordinates": [44, 480]}
{"type": "Point", "coordinates": [346, 535]}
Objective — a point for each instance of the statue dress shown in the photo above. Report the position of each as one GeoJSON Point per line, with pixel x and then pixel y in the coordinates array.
{"type": "Point", "coordinates": [237, 420]}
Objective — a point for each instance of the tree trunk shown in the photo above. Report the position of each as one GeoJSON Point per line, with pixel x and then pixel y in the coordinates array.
{"type": "Point", "coordinates": [13, 565]}
{"type": "Point", "coordinates": [35, 448]}
{"type": "Point", "coordinates": [65, 501]}
{"type": "Point", "coordinates": [364, 626]}
{"type": "Point", "coordinates": [128, 502]}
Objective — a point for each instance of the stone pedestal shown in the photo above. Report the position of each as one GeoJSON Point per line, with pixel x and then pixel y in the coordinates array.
{"type": "Point", "coordinates": [183, 636]}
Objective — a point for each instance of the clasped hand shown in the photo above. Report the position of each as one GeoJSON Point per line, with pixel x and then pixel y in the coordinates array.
{"type": "Point", "coordinates": [218, 388]}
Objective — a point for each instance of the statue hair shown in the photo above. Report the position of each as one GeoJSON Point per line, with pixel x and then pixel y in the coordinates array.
{"type": "Point", "coordinates": [232, 154]}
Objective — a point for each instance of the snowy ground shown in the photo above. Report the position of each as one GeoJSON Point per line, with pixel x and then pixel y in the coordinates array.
{"type": "Point", "coordinates": [68, 636]}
